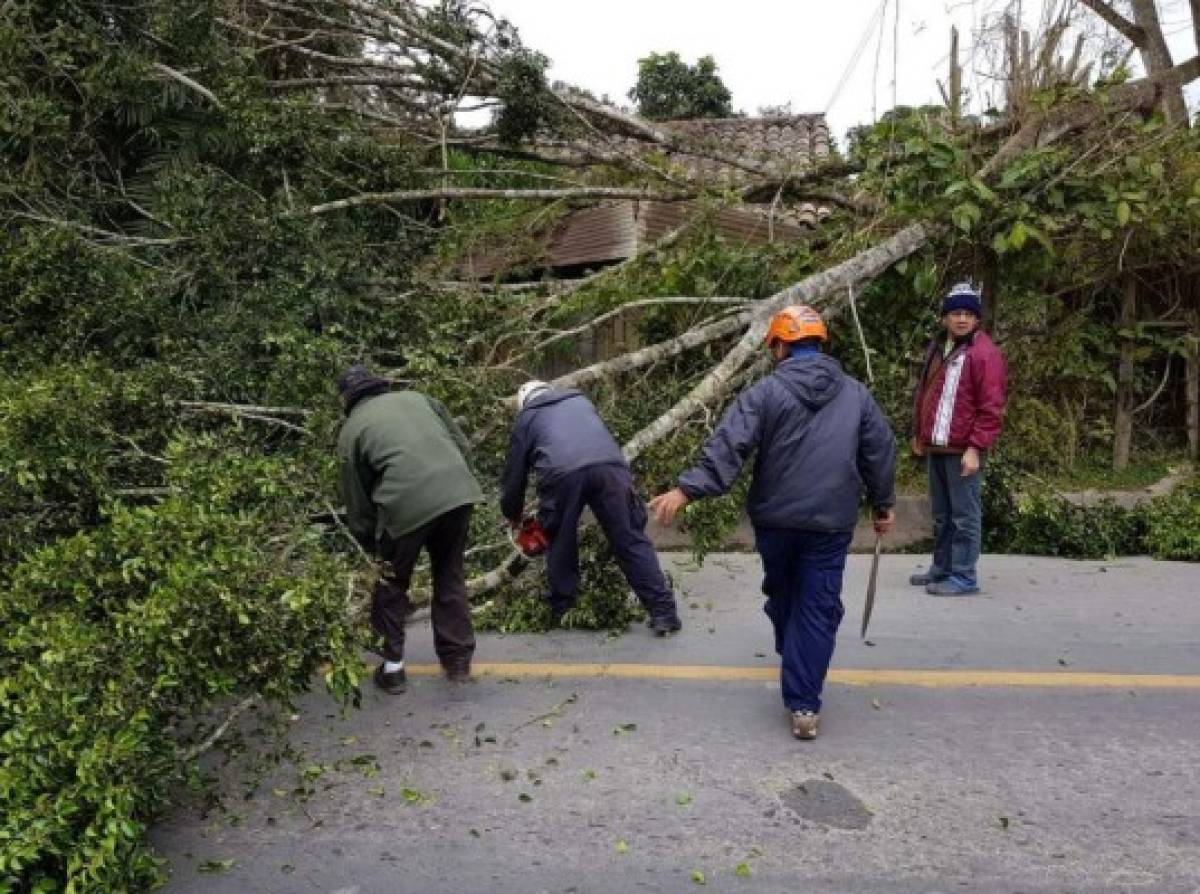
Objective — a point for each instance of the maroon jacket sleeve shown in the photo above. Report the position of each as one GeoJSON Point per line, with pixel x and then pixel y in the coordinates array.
{"type": "Point", "coordinates": [991, 382]}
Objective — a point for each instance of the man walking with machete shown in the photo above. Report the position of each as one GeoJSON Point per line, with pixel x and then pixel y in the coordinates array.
{"type": "Point", "coordinates": [819, 437]}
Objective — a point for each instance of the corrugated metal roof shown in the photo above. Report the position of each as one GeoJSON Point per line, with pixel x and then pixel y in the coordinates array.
{"type": "Point", "coordinates": [617, 230]}
{"type": "Point", "coordinates": [593, 235]}
{"type": "Point", "coordinates": [749, 224]}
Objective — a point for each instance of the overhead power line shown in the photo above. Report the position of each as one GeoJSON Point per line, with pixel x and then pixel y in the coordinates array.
{"type": "Point", "coordinates": [876, 17]}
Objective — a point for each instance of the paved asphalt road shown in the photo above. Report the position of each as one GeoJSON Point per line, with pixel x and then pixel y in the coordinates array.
{"type": "Point", "coordinates": [1039, 738]}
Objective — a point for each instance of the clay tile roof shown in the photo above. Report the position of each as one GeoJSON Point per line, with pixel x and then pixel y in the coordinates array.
{"type": "Point", "coordinates": [792, 142]}
{"type": "Point", "coordinates": [795, 137]}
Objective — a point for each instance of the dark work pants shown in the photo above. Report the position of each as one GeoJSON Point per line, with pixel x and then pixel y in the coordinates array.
{"type": "Point", "coordinates": [445, 539]}
{"type": "Point", "coordinates": [803, 584]}
{"type": "Point", "coordinates": [608, 491]}
{"type": "Point", "coordinates": [957, 517]}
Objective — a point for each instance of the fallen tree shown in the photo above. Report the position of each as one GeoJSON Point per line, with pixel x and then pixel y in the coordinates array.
{"type": "Point", "coordinates": [205, 218]}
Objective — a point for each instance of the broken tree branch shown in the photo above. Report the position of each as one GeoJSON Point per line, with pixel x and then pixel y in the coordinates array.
{"type": "Point", "coordinates": [204, 406]}
{"type": "Point", "coordinates": [420, 195]}
{"type": "Point", "coordinates": [1157, 391]}
{"type": "Point", "coordinates": [1195, 6]}
{"type": "Point", "coordinates": [630, 305]}
{"type": "Point", "coordinates": [693, 338]}
{"type": "Point", "coordinates": [356, 80]}
{"type": "Point", "coordinates": [863, 267]}
{"type": "Point", "coordinates": [215, 736]}
{"type": "Point", "coordinates": [1131, 32]}
{"type": "Point", "coordinates": [180, 77]}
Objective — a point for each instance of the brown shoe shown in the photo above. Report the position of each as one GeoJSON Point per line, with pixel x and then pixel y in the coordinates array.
{"type": "Point", "coordinates": [805, 724]}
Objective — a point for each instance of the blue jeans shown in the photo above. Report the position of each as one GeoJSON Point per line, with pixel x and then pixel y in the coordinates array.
{"type": "Point", "coordinates": [803, 585]}
{"type": "Point", "coordinates": [957, 518]}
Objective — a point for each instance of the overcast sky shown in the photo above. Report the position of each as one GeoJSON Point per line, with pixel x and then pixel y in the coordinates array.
{"type": "Point", "coordinates": [771, 52]}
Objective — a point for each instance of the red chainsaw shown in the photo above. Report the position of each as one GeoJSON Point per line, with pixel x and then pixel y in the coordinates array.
{"type": "Point", "coordinates": [529, 537]}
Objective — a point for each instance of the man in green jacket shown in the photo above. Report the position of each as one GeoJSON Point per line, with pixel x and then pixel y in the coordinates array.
{"type": "Point", "coordinates": [407, 484]}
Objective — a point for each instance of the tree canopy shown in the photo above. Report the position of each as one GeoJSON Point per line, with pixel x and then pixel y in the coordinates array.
{"type": "Point", "coordinates": [668, 89]}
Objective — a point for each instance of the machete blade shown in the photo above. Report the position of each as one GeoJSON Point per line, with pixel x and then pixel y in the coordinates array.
{"type": "Point", "coordinates": [870, 603]}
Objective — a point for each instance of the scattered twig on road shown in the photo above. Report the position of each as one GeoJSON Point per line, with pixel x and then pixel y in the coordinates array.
{"type": "Point", "coordinates": [553, 712]}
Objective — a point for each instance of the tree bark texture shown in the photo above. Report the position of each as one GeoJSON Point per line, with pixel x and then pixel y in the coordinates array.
{"type": "Point", "coordinates": [955, 82]}
{"type": "Point", "coordinates": [1123, 412]}
{"type": "Point", "coordinates": [1145, 32]}
{"type": "Point", "coordinates": [1157, 58]}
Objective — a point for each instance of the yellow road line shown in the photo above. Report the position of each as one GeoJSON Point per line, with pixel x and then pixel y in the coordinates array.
{"type": "Point", "coordinates": [944, 679]}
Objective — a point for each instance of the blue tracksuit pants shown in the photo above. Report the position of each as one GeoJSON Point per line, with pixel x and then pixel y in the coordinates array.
{"type": "Point", "coordinates": [608, 491]}
{"type": "Point", "coordinates": [803, 585]}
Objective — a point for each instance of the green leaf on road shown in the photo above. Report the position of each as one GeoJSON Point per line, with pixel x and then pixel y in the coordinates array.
{"type": "Point", "coordinates": [1004, 822]}
{"type": "Point", "coordinates": [742, 870]}
{"type": "Point", "coordinates": [622, 846]}
{"type": "Point", "coordinates": [213, 866]}
{"type": "Point", "coordinates": [625, 728]}
{"type": "Point", "coordinates": [412, 796]}
{"type": "Point", "coordinates": [683, 800]}
{"type": "Point", "coordinates": [698, 877]}
{"type": "Point", "coordinates": [524, 798]}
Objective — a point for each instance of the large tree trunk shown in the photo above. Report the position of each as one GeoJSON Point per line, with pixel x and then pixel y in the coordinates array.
{"type": "Point", "coordinates": [1123, 412]}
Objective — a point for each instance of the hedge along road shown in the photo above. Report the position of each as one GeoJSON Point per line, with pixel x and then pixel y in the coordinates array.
{"type": "Point", "coordinates": [1040, 737]}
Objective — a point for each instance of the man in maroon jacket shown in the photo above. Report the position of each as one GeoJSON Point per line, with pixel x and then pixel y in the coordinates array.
{"type": "Point", "coordinates": [957, 414]}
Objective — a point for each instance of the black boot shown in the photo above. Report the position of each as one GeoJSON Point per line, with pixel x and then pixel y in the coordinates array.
{"type": "Point", "coordinates": [394, 683]}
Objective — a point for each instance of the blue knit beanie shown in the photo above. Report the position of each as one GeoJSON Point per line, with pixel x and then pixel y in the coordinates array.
{"type": "Point", "coordinates": [963, 296]}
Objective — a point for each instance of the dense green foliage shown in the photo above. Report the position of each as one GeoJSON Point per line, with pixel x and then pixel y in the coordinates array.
{"type": "Point", "coordinates": [1023, 514]}
{"type": "Point", "coordinates": [151, 253]}
{"type": "Point", "coordinates": [1173, 525]}
{"type": "Point", "coordinates": [118, 635]}
{"type": "Point", "coordinates": [668, 89]}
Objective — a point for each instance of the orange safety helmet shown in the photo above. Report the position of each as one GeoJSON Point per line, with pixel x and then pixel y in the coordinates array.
{"type": "Point", "coordinates": [796, 322]}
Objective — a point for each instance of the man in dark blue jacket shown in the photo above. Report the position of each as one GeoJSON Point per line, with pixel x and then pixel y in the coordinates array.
{"type": "Point", "coordinates": [560, 436]}
{"type": "Point", "coordinates": [820, 437]}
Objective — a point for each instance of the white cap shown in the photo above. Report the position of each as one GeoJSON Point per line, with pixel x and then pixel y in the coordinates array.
{"type": "Point", "coordinates": [526, 392]}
